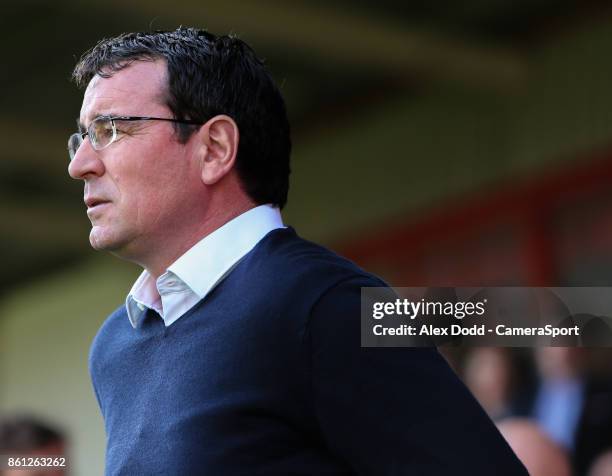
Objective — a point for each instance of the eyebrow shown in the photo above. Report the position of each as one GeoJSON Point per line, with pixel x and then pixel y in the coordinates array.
{"type": "Point", "coordinates": [82, 127]}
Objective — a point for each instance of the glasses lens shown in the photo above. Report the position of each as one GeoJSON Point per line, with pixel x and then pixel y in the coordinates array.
{"type": "Point", "coordinates": [101, 133]}
{"type": "Point", "coordinates": [74, 142]}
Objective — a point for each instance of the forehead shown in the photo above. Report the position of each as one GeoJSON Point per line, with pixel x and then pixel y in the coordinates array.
{"type": "Point", "coordinates": [138, 89]}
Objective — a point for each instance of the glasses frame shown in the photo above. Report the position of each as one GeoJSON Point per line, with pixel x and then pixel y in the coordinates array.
{"type": "Point", "coordinates": [112, 119]}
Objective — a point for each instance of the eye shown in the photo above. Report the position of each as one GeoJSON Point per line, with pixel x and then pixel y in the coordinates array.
{"type": "Point", "coordinates": [102, 131]}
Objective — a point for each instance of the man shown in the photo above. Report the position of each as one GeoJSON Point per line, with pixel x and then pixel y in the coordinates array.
{"type": "Point", "coordinates": [571, 403]}
{"type": "Point", "coordinates": [538, 452]}
{"type": "Point", "coordinates": [238, 348]}
{"type": "Point", "coordinates": [26, 439]}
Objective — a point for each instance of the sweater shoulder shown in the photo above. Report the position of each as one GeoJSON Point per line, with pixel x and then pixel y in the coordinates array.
{"type": "Point", "coordinates": [299, 262]}
{"type": "Point", "coordinates": [107, 334]}
{"type": "Point", "coordinates": [118, 317]}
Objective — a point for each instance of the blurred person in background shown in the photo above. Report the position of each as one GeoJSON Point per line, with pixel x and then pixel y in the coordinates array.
{"type": "Point", "coordinates": [488, 373]}
{"type": "Point", "coordinates": [538, 452]}
{"type": "Point", "coordinates": [561, 391]}
{"type": "Point", "coordinates": [238, 349]}
{"type": "Point", "coordinates": [571, 406]}
{"type": "Point", "coordinates": [22, 436]}
{"type": "Point", "coordinates": [602, 466]}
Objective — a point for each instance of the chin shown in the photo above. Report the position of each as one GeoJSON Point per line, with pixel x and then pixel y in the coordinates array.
{"type": "Point", "coordinates": [121, 245]}
{"type": "Point", "coordinates": [103, 239]}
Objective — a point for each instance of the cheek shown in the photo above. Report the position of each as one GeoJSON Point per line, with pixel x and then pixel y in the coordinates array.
{"type": "Point", "coordinates": [152, 183]}
{"type": "Point", "coordinates": [135, 183]}
{"type": "Point", "coordinates": [156, 200]}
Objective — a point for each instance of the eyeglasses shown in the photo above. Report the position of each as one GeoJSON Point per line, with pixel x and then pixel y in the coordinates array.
{"type": "Point", "coordinates": [102, 131]}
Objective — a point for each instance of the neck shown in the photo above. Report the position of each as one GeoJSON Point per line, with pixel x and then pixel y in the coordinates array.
{"type": "Point", "coordinates": [178, 241]}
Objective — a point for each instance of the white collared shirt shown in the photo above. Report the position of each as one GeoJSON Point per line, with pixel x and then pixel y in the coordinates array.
{"type": "Point", "coordinates": [192, 276]}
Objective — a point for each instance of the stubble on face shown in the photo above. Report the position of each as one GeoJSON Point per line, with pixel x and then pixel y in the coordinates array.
{"type": "Point", "coordinates": [140, 179]}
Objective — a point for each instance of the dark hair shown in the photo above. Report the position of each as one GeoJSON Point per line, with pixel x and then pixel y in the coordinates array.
{"type": "Point", "coordinates": [210, 75]}
{"type": "Point", "coordinates": [22, 434]}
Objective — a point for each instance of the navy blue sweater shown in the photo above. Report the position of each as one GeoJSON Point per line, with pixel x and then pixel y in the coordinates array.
{"type": "Point", "coordinates": [266, 376]}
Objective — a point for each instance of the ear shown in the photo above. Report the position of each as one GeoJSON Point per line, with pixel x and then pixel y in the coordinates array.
{"type": "Point", "coordinates": [220, 138]}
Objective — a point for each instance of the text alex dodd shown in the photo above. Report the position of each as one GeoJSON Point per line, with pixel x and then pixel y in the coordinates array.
{"type": "Point", "coordinates": [479, 329]}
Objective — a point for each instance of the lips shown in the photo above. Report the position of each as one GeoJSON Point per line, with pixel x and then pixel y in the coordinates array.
{"type": "Point", "coordinates": [95, 206]}
{"type": "Point", "coordinates": [95, 201]}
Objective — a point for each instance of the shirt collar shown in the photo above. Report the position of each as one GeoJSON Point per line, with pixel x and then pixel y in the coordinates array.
{"type": "Point", "coordinates": [206, 263]}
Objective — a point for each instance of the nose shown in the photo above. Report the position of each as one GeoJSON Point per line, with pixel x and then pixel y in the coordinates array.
{"type": "Point", "coordinates": [86, 162]}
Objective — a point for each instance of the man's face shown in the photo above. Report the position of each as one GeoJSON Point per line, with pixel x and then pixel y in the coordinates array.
{"type": "Point", "coordinates": [142, 188]}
